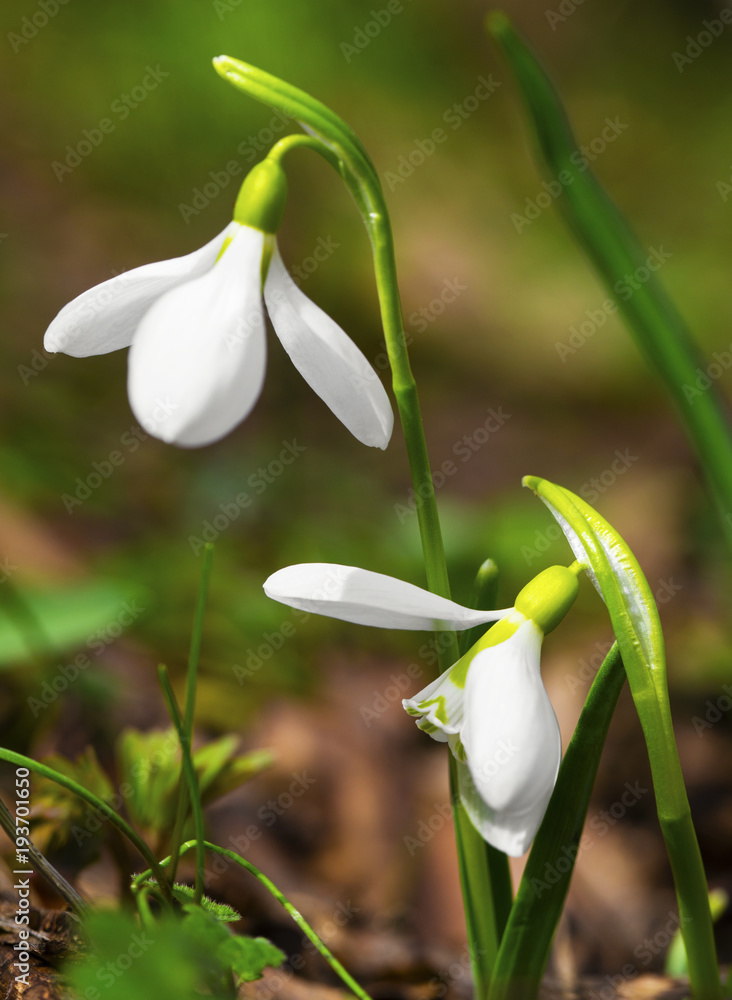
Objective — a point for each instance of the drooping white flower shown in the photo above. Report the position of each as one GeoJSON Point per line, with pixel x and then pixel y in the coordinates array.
{"type": "Point", "coordinates": [196, 331]}
{"type": "Point", "coordinates": [491, 706]}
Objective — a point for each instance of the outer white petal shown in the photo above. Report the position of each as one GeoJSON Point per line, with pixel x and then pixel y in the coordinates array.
{"type": "Point", "coordinates": [104, 318]}
{"type": "Point", "coordinates": [366, 598]}
{"type": "Point", "coordinates": [328, 359]}
{"type": "Point", "coordinates": [197, 362]}
{"type": "Point", "coordinates": [511, 741]}
{"type": "Point", "coordinates": [439, 708]}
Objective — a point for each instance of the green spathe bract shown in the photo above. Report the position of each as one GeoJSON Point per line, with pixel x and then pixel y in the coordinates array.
{"type": "Point", "coordinates": [634, 615]}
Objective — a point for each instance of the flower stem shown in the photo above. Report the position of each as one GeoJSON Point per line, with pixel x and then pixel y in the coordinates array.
{"type": "Point", "coordinates": [637, 628]}
{"type": "Point", "coordinates": [682, 846]}
{"type": "Point", "coordinates": [473, 861]}
{"type": "Point", "coordinates": [483, 877]}
{"type": "Point", "coordinates": [337, 143]}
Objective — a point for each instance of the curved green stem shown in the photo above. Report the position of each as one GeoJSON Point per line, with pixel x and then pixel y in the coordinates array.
{"type": "Point", "coordinates": [299, 141]}
{"type": "Point", "coordinates": [281, 899]}
{"type": "Point", "coordinates": [339, 145]}
{"type": "Point", "coordinates": [99, 804]}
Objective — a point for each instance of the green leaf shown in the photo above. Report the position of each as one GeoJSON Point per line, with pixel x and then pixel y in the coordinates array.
{"type": "Point", "coordinates": [659, 330]}
{"type": "Point", "coordinates": [533, 920]}
{"type": "Point", "coordinates": [234, 773]}
{"type": "Point", "coordinates": [245, 957]}
{"type": "Point", "coordinates": [58, 814]}
{"type": "Point", "coordinates": [248, 957]}
{"type": "Point", "coordinates": [211, 759]}
{"type": "Point", "coordinates": [174, 958]}
{"type": "Point", "coordinates": [127, 961]}
{"type": "Point", "coordinates": [149, 764]}
{"type": "Point", "coordinates": [59, 619]}
{"type": "Point", "coordinates": [634, 616]}
{"type": "Point", "coordinates": [221, 911]}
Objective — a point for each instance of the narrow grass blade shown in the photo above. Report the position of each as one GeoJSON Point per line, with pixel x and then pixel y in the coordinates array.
{"type": "Point", "coordinates": [599, 227]}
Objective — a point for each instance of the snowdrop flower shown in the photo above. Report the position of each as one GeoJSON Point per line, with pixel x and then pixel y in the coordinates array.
{"type": "Point", "coordinates": [196, 332]}
{"type": "Point", "coordinates": [491, 706]}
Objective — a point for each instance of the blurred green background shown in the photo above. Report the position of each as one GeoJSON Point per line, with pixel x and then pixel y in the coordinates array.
{"type": "Point", "coordinates": [159, 185]}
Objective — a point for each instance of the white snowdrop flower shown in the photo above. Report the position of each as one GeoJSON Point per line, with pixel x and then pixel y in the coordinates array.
{"type": "Point", "coordinates": [491, 706]}
{"type": "Point", "coordinates": [196, 332]}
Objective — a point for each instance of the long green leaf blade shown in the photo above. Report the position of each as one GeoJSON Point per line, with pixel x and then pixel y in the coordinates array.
{"type": "Point", "coordinates": [533, 921]}
{"type": "Point", "coordinates": [637, 628]}
{"type": "Point", "coordinates": [615, 251]}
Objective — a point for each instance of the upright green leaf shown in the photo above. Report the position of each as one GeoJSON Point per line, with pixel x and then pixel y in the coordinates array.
{"type": "Point", "coordinates": [601, 230]}
{"type": "Point", "coordinates": [634, 616]}
{"type": "Point", "coordinates": [533, 920]}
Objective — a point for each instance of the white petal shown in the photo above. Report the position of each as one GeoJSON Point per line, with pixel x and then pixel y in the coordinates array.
{"type": "Point", "coordinates": [328, 359]}
{"type": "Point", "coordinates": [105, 317]}
{"type": "Point", "coordinates": [439, 708]}
{"type": "Point", "coordinates": [198, 359]}
{"type": "Point", "coordinates": [511, 741]}
{"type": "Point", "coordinates": [366, 598]}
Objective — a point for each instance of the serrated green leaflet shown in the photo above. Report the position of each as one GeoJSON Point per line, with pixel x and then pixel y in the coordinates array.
{"type": "Point", "coordinates": [172, 958]}
{"type": "Point", "coordinates": [245, 957]}
{"type": "Point", "coordinates": [220, 911]}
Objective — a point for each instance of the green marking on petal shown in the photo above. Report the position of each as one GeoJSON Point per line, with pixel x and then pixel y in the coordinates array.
{"type": "Point", "coordinates": [501, 631]}
{"type": "Point", "coordinates": [440, 712]}
{"type": "Point", "coordinates": [414, 712]}
{"type": "Point", "coordinates": [548, 597]}
{"type": "Point", "coordinates": [427, 727]}
{"type": "Point", "coordinates": [224, 248]}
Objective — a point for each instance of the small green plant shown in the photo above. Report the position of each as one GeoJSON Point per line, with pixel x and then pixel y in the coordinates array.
{"type": "Point", "coordinates": [196, 332]}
